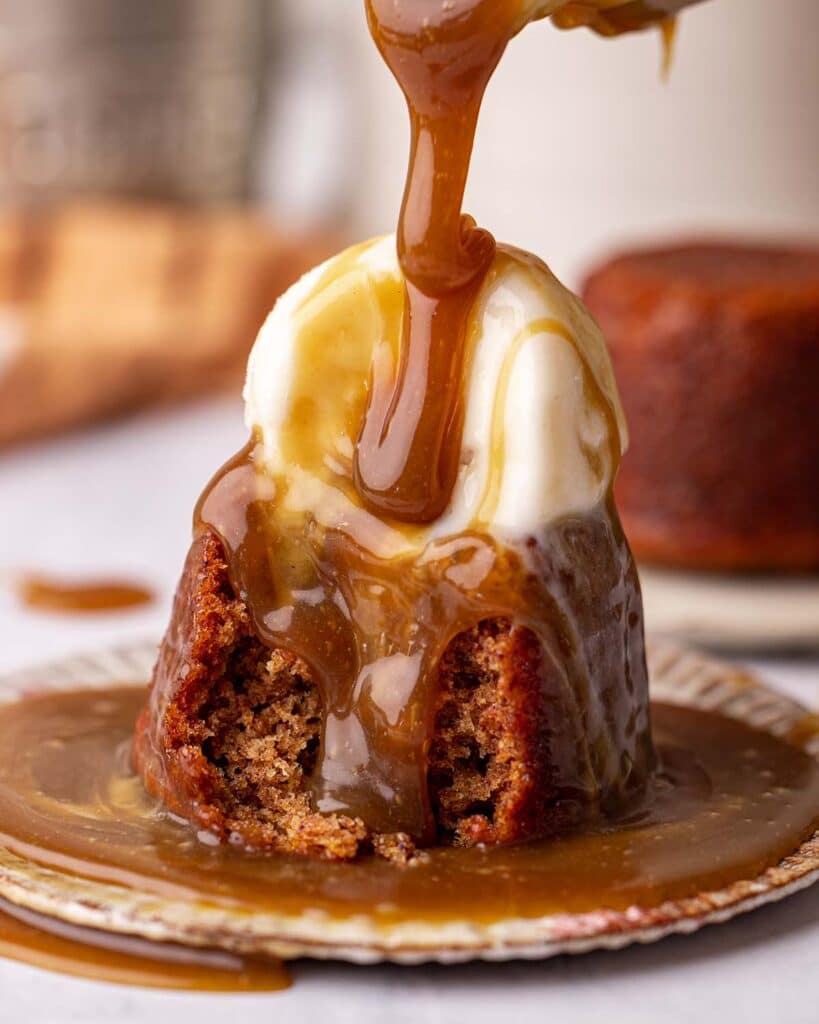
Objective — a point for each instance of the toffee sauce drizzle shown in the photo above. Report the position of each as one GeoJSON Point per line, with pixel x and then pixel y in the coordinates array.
{"type": "Point", "coordinates": [56, 945]}
{"type": "Point", "coordinates": [442, 56]}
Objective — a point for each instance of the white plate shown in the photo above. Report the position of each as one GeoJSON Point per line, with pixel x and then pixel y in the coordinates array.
{"type": "Point", "coordinates": [748, 612]}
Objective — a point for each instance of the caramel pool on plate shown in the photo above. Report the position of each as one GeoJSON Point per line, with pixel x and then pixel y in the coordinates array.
{"type": "Point", "coordinates": [729, 802]}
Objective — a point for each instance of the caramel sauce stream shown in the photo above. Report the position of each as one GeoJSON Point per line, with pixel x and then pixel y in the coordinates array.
{"type": "Point", "coordinates": [47, 942]}
{"type": "Point", "coordinates": [442, 55]}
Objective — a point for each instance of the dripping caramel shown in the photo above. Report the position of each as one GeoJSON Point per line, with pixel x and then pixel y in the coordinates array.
{"type": "Point", "coordinates": [443, 56]}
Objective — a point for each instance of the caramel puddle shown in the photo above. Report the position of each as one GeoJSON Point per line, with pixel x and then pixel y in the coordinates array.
{"type": "Point", "coordinates": [40, 941]}
{"type": "Point", "coordinates": [729, 802]}
{"type": "Point", "coordinates": [45, 593]}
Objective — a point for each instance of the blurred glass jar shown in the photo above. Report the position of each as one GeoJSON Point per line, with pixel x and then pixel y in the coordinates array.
{"type": "Point", "coordinates": [161, 99]}
{"type": "Point", "coordinates": [151, 98]}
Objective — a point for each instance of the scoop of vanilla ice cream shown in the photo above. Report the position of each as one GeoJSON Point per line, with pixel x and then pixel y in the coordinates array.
{"type": "Point", "coordinates": [543, 428]}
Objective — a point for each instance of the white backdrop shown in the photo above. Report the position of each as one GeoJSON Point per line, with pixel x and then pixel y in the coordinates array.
{"type": "Point", "coordinates": [581, 146]}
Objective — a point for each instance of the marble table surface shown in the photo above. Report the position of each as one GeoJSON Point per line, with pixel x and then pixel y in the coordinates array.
{"type": "Point", "coordinates": [117, 500]}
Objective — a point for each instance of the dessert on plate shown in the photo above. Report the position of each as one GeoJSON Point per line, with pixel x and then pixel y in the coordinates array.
{"type": "Point", "coordinates": [333, 680]}
{"type": "Point", "coordinates": [409, 615]}
{"type": "Point", "coordinates": [716, 350]}
{"type": "Point", "coordinates": [409, 631]}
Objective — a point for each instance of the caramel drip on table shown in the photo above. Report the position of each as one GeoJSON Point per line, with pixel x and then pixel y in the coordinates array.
{"type": "Point", "coordinates": [328, 548]}
{"type": "Point", "coordinates": [55, 945]}
{"type": "Point", "coordinates": [43, 593]}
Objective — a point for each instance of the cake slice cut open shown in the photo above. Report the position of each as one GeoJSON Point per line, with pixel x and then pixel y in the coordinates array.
{"type": "Point", "coordinates": [231, 734]}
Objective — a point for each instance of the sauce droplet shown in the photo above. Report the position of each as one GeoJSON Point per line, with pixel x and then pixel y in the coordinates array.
{"type": "Point", "coordinates": [668, 35]}
{"type": "Point", "coordinates": [44, 593]}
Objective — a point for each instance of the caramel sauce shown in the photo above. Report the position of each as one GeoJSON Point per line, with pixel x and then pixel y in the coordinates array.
{"type": "Point", "coordinates": [728, 802]}
{"type": "Point", "coordinates": [442, 56]}
{"type": "Point", "coordinates": [46, 594]}
{"type": "Point", "coordinates": [54, 945]}
{"type": "Point", "coordinates": [373, 629]}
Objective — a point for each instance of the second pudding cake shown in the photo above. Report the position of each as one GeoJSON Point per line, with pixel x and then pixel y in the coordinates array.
{"type": "Point", "coordinates": [716, 348]}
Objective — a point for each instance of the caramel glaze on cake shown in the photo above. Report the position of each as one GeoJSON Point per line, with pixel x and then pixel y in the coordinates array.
{"type": "Point", "coordinates": [232, 729]}
{"type": "Point", "coordinates": [716, 351]}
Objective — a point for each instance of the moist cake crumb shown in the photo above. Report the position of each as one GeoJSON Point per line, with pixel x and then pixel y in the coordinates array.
{"type": "Point", "coordinates": [237, 736]}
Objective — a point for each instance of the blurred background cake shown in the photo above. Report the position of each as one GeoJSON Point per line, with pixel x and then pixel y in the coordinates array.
{"type": "Point", "coordinates": [716, 351]}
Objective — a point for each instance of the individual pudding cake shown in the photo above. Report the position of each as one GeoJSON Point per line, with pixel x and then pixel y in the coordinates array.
{"type": "Point", "coordinates": [334, 681]}
{"type": "Point", "coordinates": [716, 351]}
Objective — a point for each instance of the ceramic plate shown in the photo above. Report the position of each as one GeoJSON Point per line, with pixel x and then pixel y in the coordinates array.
{"type": "Point", "coordinates": [678, 676]}
{"type": "Point", "coordinates": [753, 612]}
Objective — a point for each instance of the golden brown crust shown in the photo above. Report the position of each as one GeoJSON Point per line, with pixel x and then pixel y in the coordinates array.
{"type": "Point", "coordinates": [716, 351]}
{"type": "Point", "coordinates": [229, 733]}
